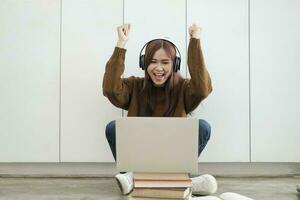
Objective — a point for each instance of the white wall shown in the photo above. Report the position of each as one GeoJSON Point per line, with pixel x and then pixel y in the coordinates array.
{"type": "Point", "coordinates": [88, 39]}
{"type": "Point", "coordinates": [53, 54]}
{"type": "Point", "coordinates": [29, 81]}
{"type": "Point", "coordinates": [275, 83]}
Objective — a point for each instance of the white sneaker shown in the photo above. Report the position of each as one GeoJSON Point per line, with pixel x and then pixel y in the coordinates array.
{"type": "Point", "coordinates": [204, 185]}
{"type": "Point", "coordinates": [125, 182]}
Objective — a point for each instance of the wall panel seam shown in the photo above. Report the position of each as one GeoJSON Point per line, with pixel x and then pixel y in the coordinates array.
{"type": "Point", "coordinates": [60, 61]}
{"type": "Point", "coordinates": [249, 66]}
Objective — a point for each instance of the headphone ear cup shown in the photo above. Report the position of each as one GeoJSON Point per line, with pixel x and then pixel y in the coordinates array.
{"type": "Point", "coordinates": [177, 64]}
{"type": "Point", "coordinates": [142, 62]}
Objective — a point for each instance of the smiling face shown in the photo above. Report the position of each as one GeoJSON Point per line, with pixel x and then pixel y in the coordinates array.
{"type": "Point", "coordinates": [160, 67]}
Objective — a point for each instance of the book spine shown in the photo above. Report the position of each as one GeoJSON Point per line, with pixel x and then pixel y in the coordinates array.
{"type": "Point", "coordinates": [169, 180]}
{"type": "Point", "coordinates": [160, 187]}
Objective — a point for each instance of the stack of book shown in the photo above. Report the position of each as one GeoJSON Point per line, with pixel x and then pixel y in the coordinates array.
{"type": "Point", "coordinates": [161, 186]}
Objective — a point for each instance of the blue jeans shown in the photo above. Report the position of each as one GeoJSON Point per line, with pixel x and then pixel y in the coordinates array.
{"type": "Point", "coordinates": [204, 136]}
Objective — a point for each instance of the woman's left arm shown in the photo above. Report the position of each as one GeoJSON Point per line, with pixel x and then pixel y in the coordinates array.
{"type": "Point", "coordinates": [199, 86]}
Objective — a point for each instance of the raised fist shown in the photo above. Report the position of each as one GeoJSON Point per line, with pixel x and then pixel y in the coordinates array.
{"type": "Point", "coordinates": [123, 32]}
{"type": "Point", "coordinates": [194, 31]}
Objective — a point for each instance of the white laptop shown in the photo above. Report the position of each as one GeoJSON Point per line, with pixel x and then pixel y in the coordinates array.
{"type": "Point", "coordinates": [157, 144]}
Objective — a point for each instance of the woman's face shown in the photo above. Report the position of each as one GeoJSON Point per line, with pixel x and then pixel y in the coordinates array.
{"type": "Point", "coordinates": [160, 67]}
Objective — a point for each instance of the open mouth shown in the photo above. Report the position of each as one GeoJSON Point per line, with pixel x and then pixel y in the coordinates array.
{"type": "Point", "coordinates": [159, 76]}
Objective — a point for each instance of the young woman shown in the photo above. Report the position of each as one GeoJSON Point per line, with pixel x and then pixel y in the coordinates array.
{"type": "Point", "coordinates": [161, 93]}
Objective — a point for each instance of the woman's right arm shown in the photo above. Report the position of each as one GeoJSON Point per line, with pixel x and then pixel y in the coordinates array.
{"type": "Point", "coordinates": [118, 90]}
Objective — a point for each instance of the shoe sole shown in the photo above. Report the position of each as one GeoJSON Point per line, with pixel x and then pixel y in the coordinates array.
{"type": "Point", "coordinates": [120, 186]}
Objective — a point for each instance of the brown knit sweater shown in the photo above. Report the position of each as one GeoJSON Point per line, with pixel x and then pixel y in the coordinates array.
{"type": "Point", "coordinates": [124, 92]}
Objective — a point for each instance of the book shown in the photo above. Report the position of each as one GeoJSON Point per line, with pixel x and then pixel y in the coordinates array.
{"type": "Point", "coordinates": [161, 180]}
{"type": "Point", "coordinates": [162, 193]}
{"type": "Point", "coordinates": [140, 176]}
{"type": "Point", "coordinates": [162, 184]}
{"type": "Point", "coordinates": [147, 198]}
{"type": "Point", "coordinates": [223, 196]}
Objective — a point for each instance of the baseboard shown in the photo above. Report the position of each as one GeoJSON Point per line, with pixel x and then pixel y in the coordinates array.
{"type": "Point", "coordinates": [84, 170]}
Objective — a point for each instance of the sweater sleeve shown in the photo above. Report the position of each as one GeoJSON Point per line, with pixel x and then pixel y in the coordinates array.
{"type": "Point", "coordinates": [118, 90]}
{"type": "Point", "coordinates": [199, 86]}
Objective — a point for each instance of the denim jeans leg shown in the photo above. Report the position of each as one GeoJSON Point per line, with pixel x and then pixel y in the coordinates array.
{"type": "Point", "coordinates": [110, 132]}
{"type": "Point", "coordinates": [204, 135]}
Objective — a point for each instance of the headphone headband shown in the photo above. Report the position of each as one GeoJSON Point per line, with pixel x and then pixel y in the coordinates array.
{"type": "Point", "coordinates": [177, 60]}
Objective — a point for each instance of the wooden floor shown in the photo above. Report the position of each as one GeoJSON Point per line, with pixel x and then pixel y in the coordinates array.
{"type": "Point", "coordinates": [281, 188]}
